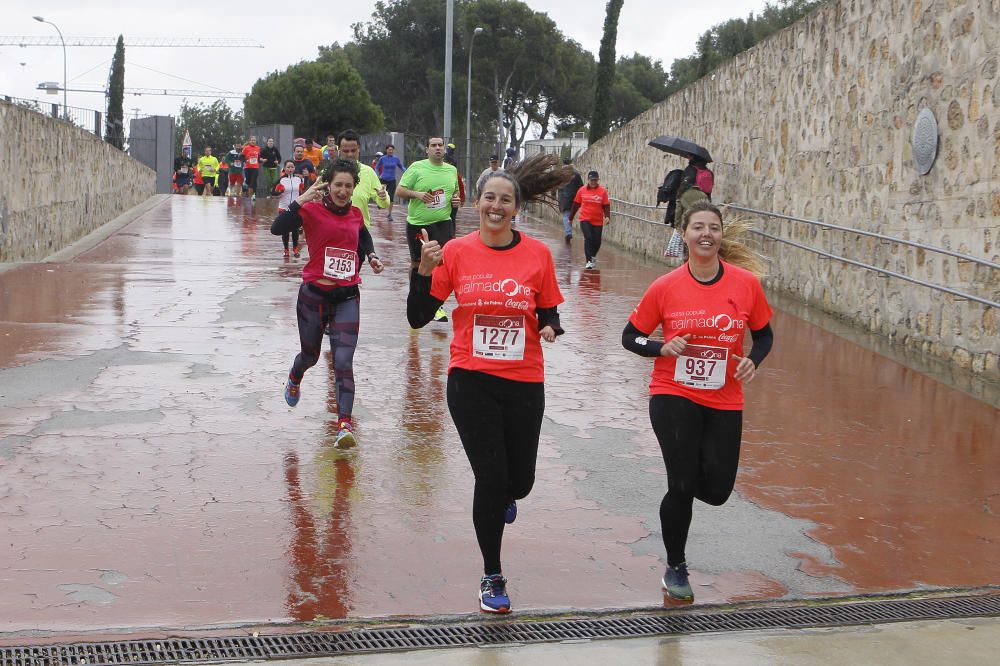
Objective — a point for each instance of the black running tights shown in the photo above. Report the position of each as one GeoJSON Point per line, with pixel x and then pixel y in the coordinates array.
{"type": "Point", "coordinates": [499, 421]}
{"type": "Point", "coordinates": [592, 234]}
{"type": "Point", "coordinates": [701, 450]}
{"type": "Point", "coordinates": [295, 238]}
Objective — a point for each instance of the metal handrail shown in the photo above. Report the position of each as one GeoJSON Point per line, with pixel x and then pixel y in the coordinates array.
{"type": "Point", "coordinates": [883, 271]}
{"type": "Point", "coordinates": [632, 203]}
{"type": "Point", "coordinates": [852, 262]}
{"type": "Point", "coordinates": [872, 234]}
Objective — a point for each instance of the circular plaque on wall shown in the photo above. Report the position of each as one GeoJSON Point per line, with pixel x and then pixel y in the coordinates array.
{"type": "Point", "coordinates": [925, 141]}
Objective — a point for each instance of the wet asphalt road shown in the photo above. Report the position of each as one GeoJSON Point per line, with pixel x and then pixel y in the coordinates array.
{"type": "Point", "coordinates": [151, 474]}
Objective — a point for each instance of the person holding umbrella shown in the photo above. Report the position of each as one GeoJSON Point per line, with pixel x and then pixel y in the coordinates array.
{"type": "Point", "coordinates": [698, 179]}
{"type": "Point", "coordinates": [696, 185]}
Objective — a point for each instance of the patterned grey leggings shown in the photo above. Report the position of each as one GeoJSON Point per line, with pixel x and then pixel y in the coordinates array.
{"type": "Point", "coordinates": [339, 314]}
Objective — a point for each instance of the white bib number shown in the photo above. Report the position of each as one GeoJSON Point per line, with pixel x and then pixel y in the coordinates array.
{"type": "Point", "coordinates": [340, 264]}
{"type": "Point", "coordinates": [702, 367]}
{"type": "Point", "coordinates": [439, 200]}
{"type": "Point", "coordinates": [498, 338]}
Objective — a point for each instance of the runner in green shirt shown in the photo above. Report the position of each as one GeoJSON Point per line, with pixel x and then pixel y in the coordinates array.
{"type": "Point", "coordinates": [431, 186]}
{"type": "Point", "coordinates": [208, 166]}
{"type": "Point", "coordinates": [369, 188]}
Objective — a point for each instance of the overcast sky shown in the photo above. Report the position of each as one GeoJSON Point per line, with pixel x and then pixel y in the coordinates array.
{"type": "Point", "coordinates": [654, 28]}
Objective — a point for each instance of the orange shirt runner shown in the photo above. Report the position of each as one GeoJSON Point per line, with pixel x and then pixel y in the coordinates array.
{"type": "Point", "coordinates": [717, 317]}
{"type": "Point", "coordinates": [498, 293]}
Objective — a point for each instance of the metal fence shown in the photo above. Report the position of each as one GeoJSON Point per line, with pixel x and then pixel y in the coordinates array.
{"type": "Point", "coordinates": [86, 119]}
{"type": "Point", "coordinates": [643, 213]}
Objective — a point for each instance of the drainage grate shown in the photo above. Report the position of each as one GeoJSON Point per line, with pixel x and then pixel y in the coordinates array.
{"type": "Point", "coordinates": [381, 640]}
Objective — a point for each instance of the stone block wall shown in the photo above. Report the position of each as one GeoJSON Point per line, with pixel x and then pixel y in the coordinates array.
{"type": "Point", "coordinates": [60, 183]}
{"type": "Point", "coordinates": [817, 122]}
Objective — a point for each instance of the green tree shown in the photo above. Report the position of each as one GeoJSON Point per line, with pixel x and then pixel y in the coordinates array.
{"type": "Point", "coordinates": [400, 55]}
{"type": "Point", "coordinates": [214, 125]}
{"type": "Point", "coordinates": [316, 97]}
{"type": "Point", "coordinates": [646, 76]}
{"type": "Point", "coordinates": [114, 125]}
{"type": "Point", "coordinates": [730, 38]}
{"type": "Point", "coordinates": [601, 118]}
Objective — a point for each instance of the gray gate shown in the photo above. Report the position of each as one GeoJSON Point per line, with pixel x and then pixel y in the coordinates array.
{"type": "Point", "coordinates": [151, 141]}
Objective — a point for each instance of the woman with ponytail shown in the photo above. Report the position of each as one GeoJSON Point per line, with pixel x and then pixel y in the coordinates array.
{"type": "Point", "coordinates": [505, 285]}
{"type": "Point", "coordinates": [704, 308]}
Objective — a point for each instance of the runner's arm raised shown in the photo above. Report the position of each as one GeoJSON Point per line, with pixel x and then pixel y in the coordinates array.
{"type": "Point", "coordinates": [420, 305]}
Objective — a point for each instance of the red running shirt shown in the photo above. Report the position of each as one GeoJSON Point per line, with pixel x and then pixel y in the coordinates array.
{"type": "Point", "coordinates": [333, 244]}
{"type": "Point", "coordinates": [252, 156]}
{"type": "Point", "coordinates": [717, 317]}
{"type": "Point", "coordinates": [592, 203]}
{"type": "Point", "coordinates": [498, 293]}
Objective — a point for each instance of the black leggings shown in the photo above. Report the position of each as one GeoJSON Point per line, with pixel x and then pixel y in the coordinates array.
{"type": "Point", "coordinates": [318, 313]}
{"type": "Point", "coordinates": [701, 450]}
{"type": "Point", "coordinates": [295, 238]}
{"type": "Point", "coordinates": [591, 238]}
{"type": "Point", "coordinates": [499, 421]}
{"type": "Point", "coordinates": [250, 176]}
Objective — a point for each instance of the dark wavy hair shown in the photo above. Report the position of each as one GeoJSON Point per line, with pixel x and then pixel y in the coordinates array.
{"type": "Point", "coordinates": [340, 166]}
{"type": "Point", "coordinates": [534, 179]}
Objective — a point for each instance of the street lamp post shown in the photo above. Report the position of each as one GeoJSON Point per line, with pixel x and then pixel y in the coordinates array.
{"type": "Point", "coordinates": [468, 121]}
{"type": "Point", "coordinates": [448, 29]}
{"type": "Point", "coordinates": [41, 20]}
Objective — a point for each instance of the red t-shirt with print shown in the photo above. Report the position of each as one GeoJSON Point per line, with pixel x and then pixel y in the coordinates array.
{"type": "Point", "coordinates": [498, 293]}
{"type": "Point", "coordinates": [592, 202]}
{"type": "Point", "coordinates": [717, 317]}
{"type": "Point", "coordinates": [252, 156]}
{"type": "Point", "coordinates": [333, 244]}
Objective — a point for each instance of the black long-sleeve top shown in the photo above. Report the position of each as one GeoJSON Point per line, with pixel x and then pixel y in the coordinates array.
{"type": "Point", "coordinates": [638, 342]}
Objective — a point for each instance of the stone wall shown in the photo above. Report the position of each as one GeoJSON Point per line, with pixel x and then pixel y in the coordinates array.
{"type": "Point", "coordinates": [816, 122]}
{"type": "Point", "coordinates": [59, 183]}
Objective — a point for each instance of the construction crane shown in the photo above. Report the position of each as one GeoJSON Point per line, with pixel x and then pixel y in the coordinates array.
{"type": "Point", "coordinates": [52, 88]}
{"type": "Point", "coordinates": [173, 42]}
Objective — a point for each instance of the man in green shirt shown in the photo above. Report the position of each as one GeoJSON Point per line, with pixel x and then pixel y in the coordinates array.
{"type": "Point", "coordinates": [208, 167]}
{"type": "Point", "coordinates": [431, 186]}
{"type": "Point", "coordinates": [369, 187]}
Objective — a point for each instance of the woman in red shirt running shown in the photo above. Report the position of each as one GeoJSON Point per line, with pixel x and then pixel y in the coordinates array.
{"type": "Point", "coordinates": [704, 308]}
{"type": "Point", "coordinates": [505, 285]}
{"type": "Point", "coordinates": [329, 298]}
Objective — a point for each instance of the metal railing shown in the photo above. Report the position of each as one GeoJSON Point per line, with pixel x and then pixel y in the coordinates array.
{"type": "Point", "coordinates": [853, 262]}
{"type": "Point", "coordinates": [87, 119]}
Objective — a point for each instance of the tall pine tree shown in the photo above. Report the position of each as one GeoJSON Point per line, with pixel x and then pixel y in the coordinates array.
{"type": "Point", "coordinates": [114, 129]}
{"type": "Point", "coordinates": [600, 121]}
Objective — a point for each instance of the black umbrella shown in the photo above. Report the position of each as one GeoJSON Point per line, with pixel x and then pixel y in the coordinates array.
{"type": "Point", "coordinates": [675, 145]}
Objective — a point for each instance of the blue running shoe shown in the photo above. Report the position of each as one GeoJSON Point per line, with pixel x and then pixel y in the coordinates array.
{"type": "Point", "coordinates": [493, 594]}
{"type": "Point", "coordinates": [345, 436]}
{"type": "Point", "coordinates": [510, 515]}
{"type": "Point", "coordinates": [675, 582]}
{"type": "Point", "coordinates": [291, 393]}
